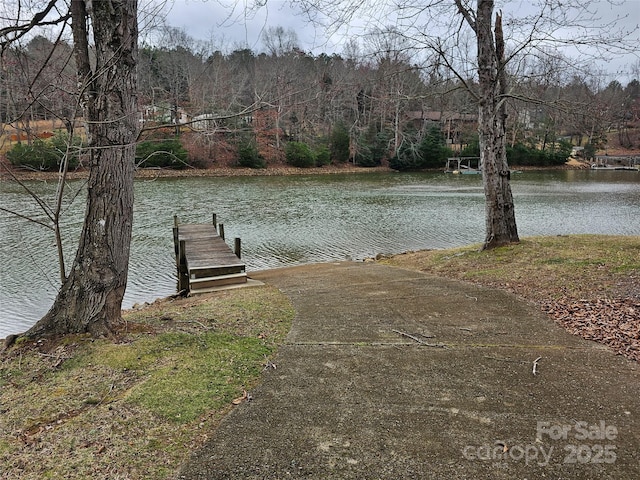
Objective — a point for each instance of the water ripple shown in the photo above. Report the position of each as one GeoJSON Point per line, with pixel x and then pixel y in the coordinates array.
{"type": "Point", "coordinates": [296, 220]}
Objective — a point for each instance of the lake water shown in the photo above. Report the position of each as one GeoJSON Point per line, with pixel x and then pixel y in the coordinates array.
{"type": "Point", "coordinates": [303, 219]}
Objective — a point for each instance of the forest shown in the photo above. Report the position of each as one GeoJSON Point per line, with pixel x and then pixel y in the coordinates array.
{"type": "Point", "coordinates": [374, 104]}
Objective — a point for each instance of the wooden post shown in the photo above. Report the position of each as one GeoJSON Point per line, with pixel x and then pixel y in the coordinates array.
{"type": "Point", "coordinates": [221, 225]}
{"type": "Point", "coordinates": [215, 221]}
{"type": "Point", "coordinates": [176, 247]}
{"type": "Point", "coordinates": [182, 249]}
{"type": "Point", "coordinates": [183, 274]}
{"type": "Point", "coordinates": [175, 236]}
{"type": "Point", "coordinates": [237, 247]}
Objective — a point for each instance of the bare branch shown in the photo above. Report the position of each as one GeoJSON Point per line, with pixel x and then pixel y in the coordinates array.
{"type": "Point", "coordinates": [24, 217]}
{"type": "Point", "coordinates": [467, 13]}
{"type": "Point", "coordinates": [14, 32]}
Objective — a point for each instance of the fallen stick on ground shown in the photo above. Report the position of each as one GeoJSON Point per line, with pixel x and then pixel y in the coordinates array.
{"type": "Point", "coordinates": [268, 364]}
{"type": "Point", "coordinates": [421, 342]}
{"type": "Point", "coordinates": [535, 365]}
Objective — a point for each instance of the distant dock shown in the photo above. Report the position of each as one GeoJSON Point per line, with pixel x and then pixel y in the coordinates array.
{"type": "Point", "coordinates": [463, 166]}
{"type": "Point", "coordinates": [204, 260]}
{"type": "Point", "coordinates": [620, 162]}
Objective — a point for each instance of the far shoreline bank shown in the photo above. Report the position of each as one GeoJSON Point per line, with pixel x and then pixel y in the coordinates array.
{"type": "Point", "coordinates": [152, 173]}
{"type": "Point", "coordinates": [9, 173]}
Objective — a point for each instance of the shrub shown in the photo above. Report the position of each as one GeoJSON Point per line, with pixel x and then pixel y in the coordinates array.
{"type": "Point", "coordinates": [372, 147]}
{"type": "Point", "coordinates": [248, 155]}
{"type": "Point", "coordinates": [433, 149]}
{"type": "Point", "coordinates": [339, 143]}
{"type": "Point", "coordinates": [472, 149]}
{"type": "Point", "coordinates": [408, 157]}
{"type": "Point", "coordinates": [299, 154]}
{"type": "Point", "coordinates": [431, 152]}
{"type": "Point", "coordinates": [323, 156]}
{"type": "Point", "coordinates": [589, 151]}
{"type": "Point", "coordinates": [45, 155]}
{"type": "Point", "coordinates": [164, 154]}
{"type": "Point", "coordinates": [521, 154]}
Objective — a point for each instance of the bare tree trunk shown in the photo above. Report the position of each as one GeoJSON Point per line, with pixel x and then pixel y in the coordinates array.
{"type": "Point", "coordinates": [90, 299]}
{"type": "Point", "coordinates": [499, 209]}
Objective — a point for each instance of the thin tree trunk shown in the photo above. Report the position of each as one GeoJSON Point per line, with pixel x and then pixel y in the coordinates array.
{"type": "Point", "coordinates": [499, 209]}
{"type": "Point", "coordinates": [90, 299]}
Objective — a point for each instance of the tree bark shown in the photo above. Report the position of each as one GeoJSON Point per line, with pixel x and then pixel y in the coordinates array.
{"type": "Point", "coordinates": [90, 299]}
{"type": "Point", "coordinates": [499, 209]}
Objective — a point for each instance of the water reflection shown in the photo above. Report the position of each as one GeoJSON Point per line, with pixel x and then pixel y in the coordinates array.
{"type": "Point", "coordinates": [294, 220]}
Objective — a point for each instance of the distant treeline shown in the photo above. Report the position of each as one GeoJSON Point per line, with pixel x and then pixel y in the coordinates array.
{"type": "Point", "coordinates": [284, 105]}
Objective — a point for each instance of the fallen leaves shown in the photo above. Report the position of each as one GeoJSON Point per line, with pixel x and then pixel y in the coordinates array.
{"type": "Point", "coordinates": [613, 322]}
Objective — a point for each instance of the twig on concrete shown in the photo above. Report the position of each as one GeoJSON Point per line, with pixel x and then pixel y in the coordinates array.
{"type": "Point", "coordinates": [535, 365]}
{"type": "Point", "coordinates": [421, 342]}
{"type": "Point", "coordinates": [503, 359]}
{"type": "Point", "coordinates": [269, 364]}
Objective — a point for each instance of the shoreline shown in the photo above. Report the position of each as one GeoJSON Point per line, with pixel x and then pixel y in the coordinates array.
{"type": "Point", "coordinates": [153, 173]}
{"type": "Point", "coordinates": [9, 173]}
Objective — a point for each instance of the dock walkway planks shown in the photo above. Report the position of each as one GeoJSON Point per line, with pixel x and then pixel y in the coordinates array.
{"type": "Point", "coordinates": [204, 260]}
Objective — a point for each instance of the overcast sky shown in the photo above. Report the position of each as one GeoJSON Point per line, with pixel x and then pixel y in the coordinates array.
{"type": "Point", "coordinates": [229, 22]}
{"type": "Point", "coordinates": [232, 27]}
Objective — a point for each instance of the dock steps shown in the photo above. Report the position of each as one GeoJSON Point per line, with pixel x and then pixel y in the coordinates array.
{"type": "Point", "coordinates": [204, 260]}
{"type": "Point", "coordinates": [208, 284]}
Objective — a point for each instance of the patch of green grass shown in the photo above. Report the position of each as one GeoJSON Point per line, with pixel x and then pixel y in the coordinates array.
{"type": "Point", "coordinates": [200, 374]}
{"type": "Point", "coordinates": [135, 408]}
{"type": "Point", "coordinates": [239, 312]}
{"type": "Point", "coordinates": [178, 376]}
{"type": "Point", "coordinates": [557, 261]}
{"type": "Point", "coordinates": [4, 446]}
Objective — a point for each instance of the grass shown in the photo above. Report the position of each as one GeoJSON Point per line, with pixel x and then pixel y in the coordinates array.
{"type": "Point", "coordinates": [542, 268]}
{"type": "Point", "coordinates": [80, 408]}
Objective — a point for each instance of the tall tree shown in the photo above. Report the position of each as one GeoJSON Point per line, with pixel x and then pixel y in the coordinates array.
{"type": "Point", "coordinates": [500, 218]}
{"type": "Point", "coordinates": [438, 26]}
{"type": "Point", "coordinates": [105, 36]}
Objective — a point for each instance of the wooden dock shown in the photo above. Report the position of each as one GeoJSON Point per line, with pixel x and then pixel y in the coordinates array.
{"type": "Point", "coordinates": [463, 166]}
{"type": "Point", "coordinates": [204, 260]}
